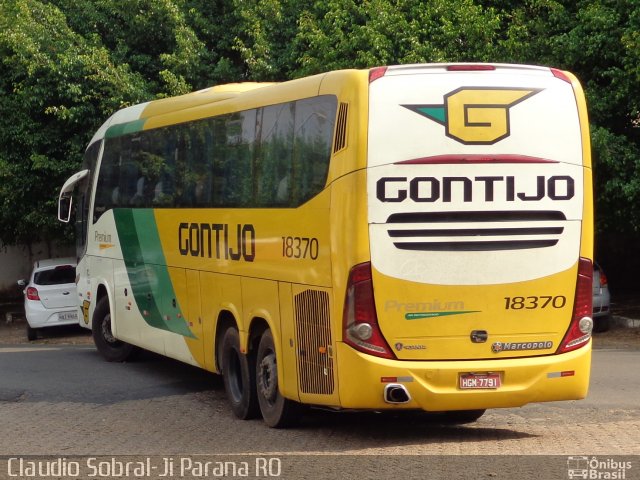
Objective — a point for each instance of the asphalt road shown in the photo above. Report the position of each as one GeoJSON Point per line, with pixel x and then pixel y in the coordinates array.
{"type": "Point", "coordinates": [65, 401]}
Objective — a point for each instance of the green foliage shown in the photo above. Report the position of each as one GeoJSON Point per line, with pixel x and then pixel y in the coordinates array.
{"type": "Point", "coordinates": [69, 64]}
{"type": "Point", "coordinates": [56, 88]}
{"type": "Point", "coordinates": [347, 33]}
{"type": "Point", "coordinates": [599, 41]}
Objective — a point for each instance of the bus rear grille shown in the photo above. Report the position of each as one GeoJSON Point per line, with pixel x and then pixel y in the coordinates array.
{"type": "Point", "coordinates": [468, 231]}
{"type": "Point", "coordinates": [341, 128]}
{"type": "Point", "coordinates": [313, 336]}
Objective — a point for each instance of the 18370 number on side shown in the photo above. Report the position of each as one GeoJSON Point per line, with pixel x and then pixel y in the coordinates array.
{"type": "Point", "coordinates": [300, 247]}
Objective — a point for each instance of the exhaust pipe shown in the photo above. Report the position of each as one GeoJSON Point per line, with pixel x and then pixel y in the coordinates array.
{"type": "Point", "coordinates": [396, 393]}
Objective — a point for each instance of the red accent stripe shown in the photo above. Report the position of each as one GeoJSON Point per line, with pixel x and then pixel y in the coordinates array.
{"type": "Point", "coordinates": [458, 159]}
{"type": "Point", "coordinates": [470, 67]}
{"type": "Point", "coordinates": [376, 73]}
{"type": "Point", "coordinates": [561, 75]}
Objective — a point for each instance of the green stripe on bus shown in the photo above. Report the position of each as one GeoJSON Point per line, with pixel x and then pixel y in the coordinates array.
{"type": "Point", "coordinates": [421, 315]}
{"type": "Point", "coordinates": [147, 272]}
{"type": "Point", "coordinates": [124, 128]}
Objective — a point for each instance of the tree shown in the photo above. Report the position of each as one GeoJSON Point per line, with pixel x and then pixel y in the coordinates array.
{"type": "Point", "coordinates": [56, 88]}
{"type": "Point", "coordinates": [599, 41]}
{"type": "Point", "coordinates": [353, 34]}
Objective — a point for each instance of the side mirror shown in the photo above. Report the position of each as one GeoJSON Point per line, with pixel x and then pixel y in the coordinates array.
{"type": "Point", "coordinates": [65, 203]}
{"type": "Point", "coordinates": [64, 200]}
{"type": "Point", "coordinates": [22, 283]}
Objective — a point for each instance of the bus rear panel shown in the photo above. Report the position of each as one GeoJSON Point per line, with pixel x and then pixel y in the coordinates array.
{"type": "Point", "coordinates": [477, 294]}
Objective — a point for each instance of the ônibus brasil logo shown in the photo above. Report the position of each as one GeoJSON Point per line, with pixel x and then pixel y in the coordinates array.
{"type": "Point", "coordinates": [476, 115]}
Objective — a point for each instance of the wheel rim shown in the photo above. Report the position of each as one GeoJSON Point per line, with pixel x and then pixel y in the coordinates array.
{"type": "Point", "coordinates": [268, 378]}
{"type": "Point", "coordinates": [106, 330]}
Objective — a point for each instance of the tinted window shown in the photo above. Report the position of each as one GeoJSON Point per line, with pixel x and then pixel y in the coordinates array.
{"type": "Point", "coordinates": [83, 198]}
{"type": "Point", "coordinates": [55, 276]}
{"type": "Point", "coordinates": [315, 118]}
{"type": "Point", "coordinates": [276, 156]}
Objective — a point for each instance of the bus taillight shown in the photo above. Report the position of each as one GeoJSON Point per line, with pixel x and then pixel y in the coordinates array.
{"type": "Point", "coordinates": [581, 325]}
{"type": "Point", "coordinates": [360, 321]}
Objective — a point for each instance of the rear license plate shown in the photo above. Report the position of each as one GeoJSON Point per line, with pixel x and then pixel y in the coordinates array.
{"type": "Point", "coordinates": [479, 381]}
{"type": "Point", "coordinates": [68, 316]}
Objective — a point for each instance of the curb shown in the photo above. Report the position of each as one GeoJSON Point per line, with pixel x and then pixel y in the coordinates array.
{"type": "Point", "coordinates": [625, 322]}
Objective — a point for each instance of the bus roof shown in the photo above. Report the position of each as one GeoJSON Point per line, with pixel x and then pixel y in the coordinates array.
{"type": "Point", "coordinates": [131, 118]}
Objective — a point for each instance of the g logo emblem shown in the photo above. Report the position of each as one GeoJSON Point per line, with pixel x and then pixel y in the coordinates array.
{"type": "Point", "coordinates": [476, 115]}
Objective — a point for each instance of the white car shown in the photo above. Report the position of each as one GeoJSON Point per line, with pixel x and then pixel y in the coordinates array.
{"type": "Point", "coordinates": [50, 297]}
{"type": "Point", "coordinates": [601, 300]}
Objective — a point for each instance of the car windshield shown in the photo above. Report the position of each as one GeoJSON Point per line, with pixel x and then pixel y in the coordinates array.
{"type": "Point", "coordinates": [55, 276]}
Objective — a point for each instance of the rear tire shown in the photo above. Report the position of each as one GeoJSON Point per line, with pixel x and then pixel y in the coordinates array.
{"type": "Point", "coordinates": [32, 333]}
{"type": "Point", "coordinates": [460, 417]}
{"type": "Point", "coordinates": [110, 348]}
{"type": "Point", "coordinates": [277, 411]}
{"type": "Point", "coordinates": [238, 371]}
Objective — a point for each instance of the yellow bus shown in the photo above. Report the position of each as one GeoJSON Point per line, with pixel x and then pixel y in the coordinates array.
{"type": "Point", "coordinates": [403, 237]}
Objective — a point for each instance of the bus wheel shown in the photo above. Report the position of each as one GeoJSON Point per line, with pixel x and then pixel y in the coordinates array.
{"type": "Point", "coordinates": [239, 377]}
{"type": "Point", "coordinates": [110, 348]}
{"type": "Point", "coordinates": [277, 411]}
{"type": "Point", "coordinates": [460, 417]}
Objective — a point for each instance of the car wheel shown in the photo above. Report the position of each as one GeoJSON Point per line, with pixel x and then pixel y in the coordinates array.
{"type": "Point", "coordinates": [239, 376]}
{"type": "Point", "coordinates": [32, 333]}
{"type": "Point", "coordinates": [602, 324]}
{"type": "Point", "coordinates": [460, 417]}
{"type": "Point", "coordinates": [277, 411]}
{"type": "Point", "coordinates": [110, 348]}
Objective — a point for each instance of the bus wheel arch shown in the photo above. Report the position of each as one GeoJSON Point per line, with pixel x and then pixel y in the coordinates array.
{"type": "Point", "coordinates": [225, 321]}
{"type": "Point", "coordinates": [101, 293]}
{"type": "Point", "coordinates": [112, 349]}
{"type": "Point", "coordinates": [257, 327]}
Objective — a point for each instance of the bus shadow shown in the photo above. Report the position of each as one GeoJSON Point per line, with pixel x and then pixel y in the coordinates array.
{"type": "Point", "coordinates": [369, 429]}
{"type": "Point", "coordinates": [155, 376]}
{"type": "Point", "coordinates": [377, 429]}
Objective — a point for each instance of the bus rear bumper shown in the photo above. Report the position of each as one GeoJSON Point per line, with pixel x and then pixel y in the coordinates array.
{"type": "Point", "coordinates": [435, 385]}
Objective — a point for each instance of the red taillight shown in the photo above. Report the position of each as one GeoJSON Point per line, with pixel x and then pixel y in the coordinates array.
{"type": "Point", "coordinates": [360, 321]}
{"type": "Point", "coordinates": [603, 279]}
{"type": "Point", "coordinates": [32, 293]}
{"type": "Point", "coordinates": [579, 331]}
{"type": "Point", "coordinates": [376, 73]}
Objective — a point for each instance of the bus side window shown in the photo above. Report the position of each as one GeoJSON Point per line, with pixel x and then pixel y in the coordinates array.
{"type": "Point", "coordinates": [237, 164]}
{"type": "Point", "coordinates": [315, 118]}
{"type": "Point", "coordinates": [129, 171]}
{"type": "Point", "coordinates": [217, 157]}
{"type": "Point", "coordinates": [107, 189]}
{"type": "Point", "coordinates": [273, 161]}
